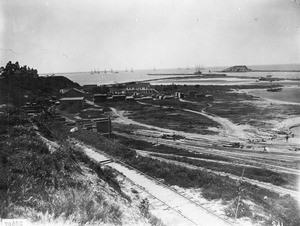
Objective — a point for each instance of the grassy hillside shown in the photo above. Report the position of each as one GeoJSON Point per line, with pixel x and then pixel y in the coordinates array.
{"type": "Point", "coordinates": [50, 180]}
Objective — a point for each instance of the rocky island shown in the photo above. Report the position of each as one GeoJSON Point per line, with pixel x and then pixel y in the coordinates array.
{"type": "Point", "coordinates": [240, 68]}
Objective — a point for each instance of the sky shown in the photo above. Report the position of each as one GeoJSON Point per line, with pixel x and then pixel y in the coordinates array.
{"type": "Point", "coordinates": [82, 35]}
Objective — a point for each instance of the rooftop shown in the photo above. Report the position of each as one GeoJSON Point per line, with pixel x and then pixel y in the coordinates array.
{"type": "Point", "coordinates": [71, 98]}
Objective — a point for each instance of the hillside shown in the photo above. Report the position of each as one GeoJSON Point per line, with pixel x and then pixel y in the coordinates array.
{"type": "Point", "coordinates": [240, 68]}
{"type": "Point", "coordinates": [46, 179]}
{"type": "Point", "coordinates": [18, 91]}
{"type": "Point", "coordinates": [20, 84]}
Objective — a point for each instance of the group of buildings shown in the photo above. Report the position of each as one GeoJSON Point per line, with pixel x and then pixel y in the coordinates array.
{"type": "Point", "coordinates": [75, 98]}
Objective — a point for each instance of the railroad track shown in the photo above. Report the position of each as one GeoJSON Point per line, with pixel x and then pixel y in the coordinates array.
{"type": "Point", "coordinates": [251, 157]}
{"type": "Point", "coordinates": [265, 185]}
{"type": "Point", "coordinates": [196, 216]}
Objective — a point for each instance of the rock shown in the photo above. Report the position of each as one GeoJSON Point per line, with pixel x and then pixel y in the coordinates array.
{"type": "Point", "coordinates": [241, 68]}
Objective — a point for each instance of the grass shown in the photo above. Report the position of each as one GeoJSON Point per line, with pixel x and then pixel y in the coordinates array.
{"type": "Point", "coordinates": [212, 186]}
{"type": "Point", "coordinates": [37, 184]}
{"type": "Point", "coordinates": [173, 118]}
{"type": "Point", "coordinates": [265, 175]}
{"type": "Point", "coordinates": [161, 148]}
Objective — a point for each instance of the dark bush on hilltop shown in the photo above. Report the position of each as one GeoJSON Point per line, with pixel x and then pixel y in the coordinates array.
{"type": "Point", "coordinates": [13, 71]}
{"type": "Point", "coordinates": [19, 85]}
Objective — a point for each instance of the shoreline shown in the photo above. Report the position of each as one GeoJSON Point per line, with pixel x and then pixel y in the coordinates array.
{"type": "Point", "coordinates": [269, 100]}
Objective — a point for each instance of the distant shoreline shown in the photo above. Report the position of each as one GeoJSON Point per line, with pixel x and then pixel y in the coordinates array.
{"type": "Point", "coordinates": [257, 71]}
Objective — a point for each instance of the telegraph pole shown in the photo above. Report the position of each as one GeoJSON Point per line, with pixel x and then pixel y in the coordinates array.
{"type": "Point", "coordinates": [240, 194]}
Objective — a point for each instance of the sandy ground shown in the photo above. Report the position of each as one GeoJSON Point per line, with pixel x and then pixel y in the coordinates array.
{"type": "Point", "coordinates": [291, 124]}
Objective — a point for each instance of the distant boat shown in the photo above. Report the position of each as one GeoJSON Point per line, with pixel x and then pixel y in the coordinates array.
{"type": "Point", "coordinates": [111, 70]}
{"type": "Point", "coordinates": [187, 68]}
{"type": "Point", "coordinates": [131, 70]}
{"type": "Point", "coordinates": [154, 69]}
{"type": "Point", "coordinates": [126, 70]}
{"type": "Point", "coordinates": [104, 70]}
{"type": "Point", "coordinates": [274, 89]}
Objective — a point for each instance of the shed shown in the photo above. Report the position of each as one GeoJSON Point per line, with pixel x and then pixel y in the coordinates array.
{"type": "Point", "coordinates": [73, 93]}
{"type": "Point", "coordinates": [71, 102]}
{"type": "Point", "coordinates": [118, 98]}
{"type": "Point", "coordinates": [89, 87]}
{"type": "Point", "coordinates": [100, 98]}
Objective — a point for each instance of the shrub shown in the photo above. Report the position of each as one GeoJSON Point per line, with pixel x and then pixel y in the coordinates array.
{"type": "Point", "coordinates": [243, 210]}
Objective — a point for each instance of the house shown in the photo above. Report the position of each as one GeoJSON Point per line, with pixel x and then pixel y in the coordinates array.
{"type": "Point", "coordinates": [167, 97]}
{"type": "Point", "coordinates": [100, 98]}
{"type": "Point", "coordinates": [118, 98]}
{"type": "Point", "coordinates": [118, 89]}
{"type": "Point", "coordinates": [192, 94]}
{"type": "Point", "coordinates": [139, 88]}
{"type": "Point", "coordinates": [90, 87]}
{"type": "Point", "coordinates": [130, 98]}
{"type": "Point", "coordinates": [103, 126]}
{"type": "Point", "coordinates": [71, 102]}
{"type": "Point", "coordinates": [72, 92]}
{"type": "Point", "coordinates": [179, 95]}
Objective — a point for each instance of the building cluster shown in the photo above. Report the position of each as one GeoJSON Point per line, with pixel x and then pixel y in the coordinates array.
{"type": "Point", "coordinates": [75, 98]}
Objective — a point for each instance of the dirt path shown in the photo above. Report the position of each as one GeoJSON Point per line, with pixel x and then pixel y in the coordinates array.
{"type": "Point", "coordinates": [229, 127]}
{"type": "Point", "coordinates": [205, 138]}
{"type": "Point", "coordinates": [188, 212]}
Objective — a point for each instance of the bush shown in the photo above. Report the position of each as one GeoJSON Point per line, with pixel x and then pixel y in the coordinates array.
{"type": "Point", "coordinates": [243, 210]}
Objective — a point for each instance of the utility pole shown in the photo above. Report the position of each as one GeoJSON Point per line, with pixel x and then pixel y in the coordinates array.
{"type": "Point", "coordinates": [240, 194]}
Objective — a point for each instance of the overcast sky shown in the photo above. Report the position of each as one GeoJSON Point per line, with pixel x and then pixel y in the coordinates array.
{"type": "Point", "coordinates": [81, 35]}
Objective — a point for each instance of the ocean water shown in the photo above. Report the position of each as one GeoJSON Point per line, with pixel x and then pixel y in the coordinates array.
{"type": "Point", "coordinates": [288, 94]}
{"type": "Point", "coordinates": [102, 78]}
{"type": "Point", "coordinates": [207, 81]}
{"type": "Point", "coordinates": [84, 78]}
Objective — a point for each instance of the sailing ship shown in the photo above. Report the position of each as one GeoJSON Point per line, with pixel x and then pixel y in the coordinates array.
{"type": "Point", "coordinates": [198, 69]}
{"type": "Point", "coordinates": [95, 72]}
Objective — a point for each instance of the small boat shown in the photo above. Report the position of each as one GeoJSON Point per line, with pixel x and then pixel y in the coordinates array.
{"type": "Point", "coordinates": [274, 89]}
{"type": "Point", "coordinates": [131, 70]}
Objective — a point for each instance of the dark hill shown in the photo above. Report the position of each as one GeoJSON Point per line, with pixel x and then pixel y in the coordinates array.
{"type": "Point", "coordinates": [241, 68]}
{"type": "Point", "coordinates": [17, 91]}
